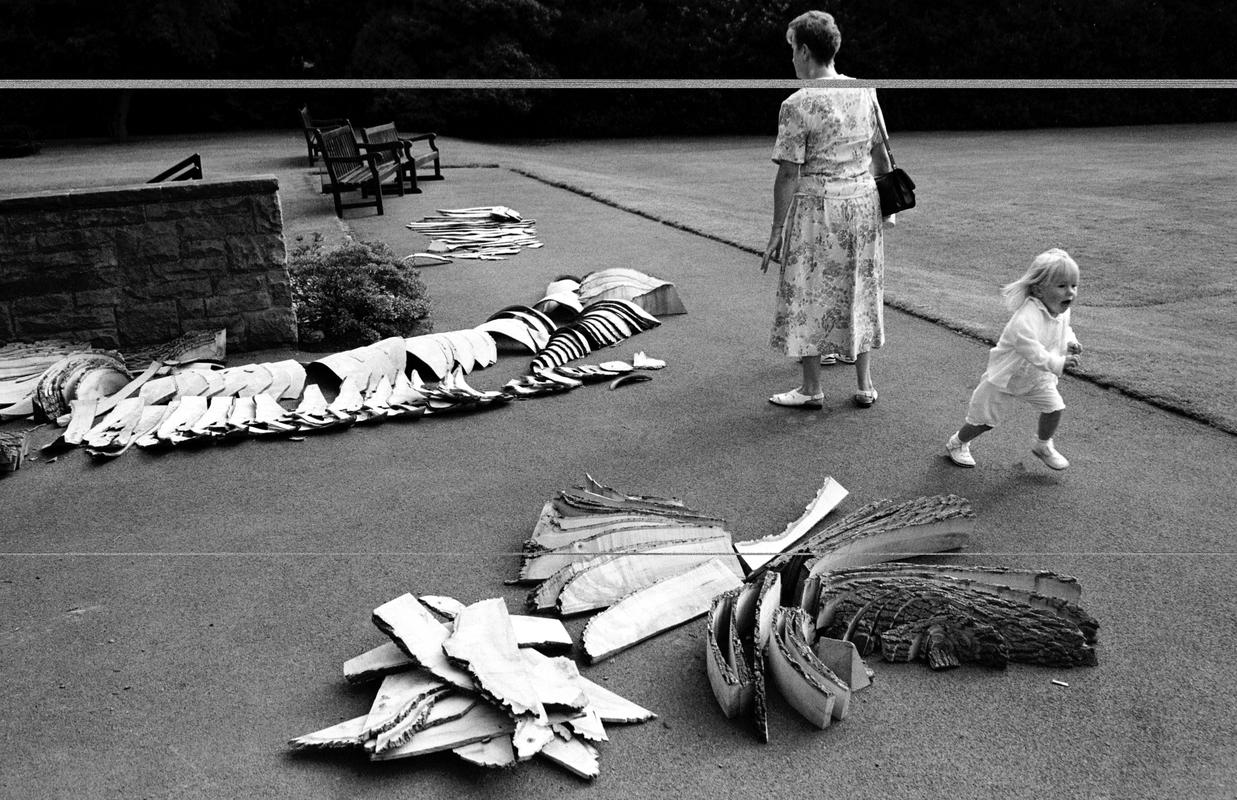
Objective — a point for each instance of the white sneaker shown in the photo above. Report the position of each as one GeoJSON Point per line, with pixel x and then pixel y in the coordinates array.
{"type": "Point", "coordinates": [1044, 450]}
{"type": "Point", "coordinates": [959, 452]}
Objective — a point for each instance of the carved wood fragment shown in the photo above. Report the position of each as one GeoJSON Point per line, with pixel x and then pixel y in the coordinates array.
{"type": "Point", "coordinates": [420, 636]}
{"type": "Point", "coordinates": [653, 610]}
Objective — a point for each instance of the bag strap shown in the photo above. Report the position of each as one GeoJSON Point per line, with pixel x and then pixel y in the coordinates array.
{"type": "Point", "coordinates": [880, 126]}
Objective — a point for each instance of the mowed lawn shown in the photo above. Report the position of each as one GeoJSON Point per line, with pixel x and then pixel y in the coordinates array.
{"type": "Point", "coordinates": [1146, 211]}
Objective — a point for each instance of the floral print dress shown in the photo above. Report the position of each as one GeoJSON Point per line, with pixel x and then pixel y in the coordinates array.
{"type": "Point", "coordinates": [830, 296]}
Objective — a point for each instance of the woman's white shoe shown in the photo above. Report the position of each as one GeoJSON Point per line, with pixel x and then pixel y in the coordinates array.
{"type": "Point", "coordinates": [797, 399]}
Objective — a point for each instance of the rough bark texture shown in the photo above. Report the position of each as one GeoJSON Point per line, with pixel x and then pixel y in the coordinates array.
{"type": "Point", "coordinates": [865, 610]}
{"type": "Point", "coordinates": [880, 531]}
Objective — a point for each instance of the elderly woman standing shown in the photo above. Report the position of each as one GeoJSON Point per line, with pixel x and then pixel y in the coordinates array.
{"type": "Point", "coordinates": [828, 234]}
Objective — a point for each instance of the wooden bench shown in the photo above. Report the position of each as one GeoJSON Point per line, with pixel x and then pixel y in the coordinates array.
{"type": "Point", "coordinates": [188, 170]}
{"type": "Point", "coordinates": [309, 124]}
{"type": "Point", "coordinates": [385, 134]}
{"type": "Point", "coordinates": [348, 169]}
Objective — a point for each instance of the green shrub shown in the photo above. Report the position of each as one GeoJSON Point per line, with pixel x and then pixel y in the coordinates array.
{"type": "Point", "coordinates": [355, 294]}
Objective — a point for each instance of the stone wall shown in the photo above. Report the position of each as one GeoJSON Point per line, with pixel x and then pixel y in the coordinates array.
{"type": "Point", "coordinates": [129, 266]}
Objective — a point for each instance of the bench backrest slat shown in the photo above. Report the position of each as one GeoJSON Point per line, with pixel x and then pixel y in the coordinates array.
{"type": "Point", "coordinates": [340, 145]}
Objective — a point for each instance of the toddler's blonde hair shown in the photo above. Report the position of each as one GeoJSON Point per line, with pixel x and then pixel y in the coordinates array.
{"type": "Point", "coordinates": [1047, 266]}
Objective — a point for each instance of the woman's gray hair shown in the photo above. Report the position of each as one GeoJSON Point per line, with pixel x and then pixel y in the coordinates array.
{"type": "Point", "coordinates": [819, 32]}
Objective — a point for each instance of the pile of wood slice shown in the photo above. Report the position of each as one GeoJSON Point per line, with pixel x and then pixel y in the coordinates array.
{"type": "Point", "coordinates": [806, 618]}
{"type": "Point", "coordinates": [488, 233]}
{"type": "Point", "coordinates": [647, 563]}
{"type": "Point", "coordinates": [186, 396]}
{"type": "Point", "coordinates": [472, 680]}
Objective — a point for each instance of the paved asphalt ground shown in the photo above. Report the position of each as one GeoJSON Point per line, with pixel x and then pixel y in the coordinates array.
{"type": "Point", "coordinates": [169, 621]}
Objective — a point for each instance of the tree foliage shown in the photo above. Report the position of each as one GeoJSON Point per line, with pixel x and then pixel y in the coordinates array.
{"type": "Point", "coordinates": [641, 39]}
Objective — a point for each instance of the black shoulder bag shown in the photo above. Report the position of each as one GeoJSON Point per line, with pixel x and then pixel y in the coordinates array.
{"type": "Point", "coordinates": [895, 187]}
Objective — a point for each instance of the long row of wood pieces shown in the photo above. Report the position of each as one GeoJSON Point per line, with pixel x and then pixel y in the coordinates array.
{"type": "Point", "coordinates": [363, 385]}
{"type": "Point", "coordinates": [474, 680]}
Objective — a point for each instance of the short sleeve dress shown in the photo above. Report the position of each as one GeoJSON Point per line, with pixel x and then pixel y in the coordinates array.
{"type": "Point", "coordinates": [830, 296]}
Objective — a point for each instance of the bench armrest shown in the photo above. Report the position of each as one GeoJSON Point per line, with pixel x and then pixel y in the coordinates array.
{"type": "Point", "coordinates": [392, 146]}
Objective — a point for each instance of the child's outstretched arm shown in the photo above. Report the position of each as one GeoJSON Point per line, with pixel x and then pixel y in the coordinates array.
{"type": "Point", "coordinates": [1071, 341]}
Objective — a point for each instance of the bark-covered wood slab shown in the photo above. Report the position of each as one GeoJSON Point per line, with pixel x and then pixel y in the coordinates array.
{"type": "Point", "coordinates": [1021, 586]}
{"type": "Point", "coordinates": [396, 698]}
{"type": "Point", "coordinates": [658, 608]}
{"type": "Point", "coordinates": [880, 531]}
{"type": "Point", "coordinates": [724, 679]}
{"type": "Point", "coordinates": [436, 707]}
{"type": "Point", "coordinates": [763, 614]}
{"type": "Point", "coordinates": [906, 618]}
{"type": "Point", "coordinates": [812, 698]}
{"type": "Point", "coordinates": [480, 722]}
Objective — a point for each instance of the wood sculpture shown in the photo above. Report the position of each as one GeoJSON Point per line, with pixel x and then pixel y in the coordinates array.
{"type": "Point", "coordinates": [469, 686]}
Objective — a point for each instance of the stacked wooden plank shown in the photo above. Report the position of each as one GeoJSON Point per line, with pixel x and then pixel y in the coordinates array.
{"type": "Point", "coordinates": [472, 681]}
{"type": "Point", "coordinates": [490, 233]}
{"type": "Point", "coordinates": [646, 563]}
{"type": "Point", "coordinates": [603, 323]}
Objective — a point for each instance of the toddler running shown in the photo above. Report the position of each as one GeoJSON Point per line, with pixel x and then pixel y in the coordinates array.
{"type": "Point", "coordinates": [1034, 349]}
